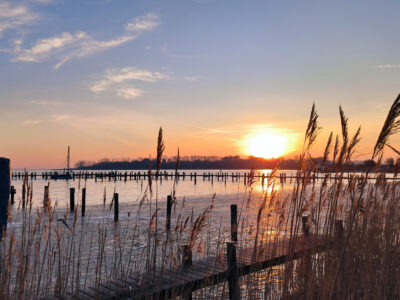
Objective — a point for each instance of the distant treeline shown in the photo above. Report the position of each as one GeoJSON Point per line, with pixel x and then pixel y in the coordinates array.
{"type": "Point", "coordinates": [217, 163]}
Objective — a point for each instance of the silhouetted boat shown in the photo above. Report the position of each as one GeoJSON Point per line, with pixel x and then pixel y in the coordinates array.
{"type": "Point", "coordinates": [66, 174]}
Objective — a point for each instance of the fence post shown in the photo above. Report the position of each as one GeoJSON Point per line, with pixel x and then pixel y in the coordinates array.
{"type": "Point", "coordinates": [46, 199]}
{"type": "Point", "coordinates": [83, 201]}
{"type": "Point", "coordinates": [187, 256]}
{"type": "Point", "coordinates": [306, 225]}
{"type": "Point", "coordinates": [12, 193]}
{"type": "Point", "coordinates": [4, 193]}
{"type": "Point", "coordinates": [72, 199]}
{"type": "Point", "coordinates": [234, 225]}
{"type": "Point", "coordinates": [169, 208]}
{"type": "Point", "coordinates": [233, 280]}
{"type": "Point", "coordinates": [339, 229]}
{"type": "Point", "coordinates": [116, 210]}
{"type": "Point", "coordinates": [23, 192]}
{"type": "Point", "coordinates": [186, 262]}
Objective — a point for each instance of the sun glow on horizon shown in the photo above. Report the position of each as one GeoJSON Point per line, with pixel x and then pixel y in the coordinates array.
{"type": "Point", "coordinates": [266, 144]}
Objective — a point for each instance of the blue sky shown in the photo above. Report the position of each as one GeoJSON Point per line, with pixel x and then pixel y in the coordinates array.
{"type": "Point", "coordinates": [103, 75]}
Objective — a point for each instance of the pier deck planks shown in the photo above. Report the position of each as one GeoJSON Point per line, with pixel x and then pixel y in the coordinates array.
{"type": "Point", "coordinates": [207, 272]}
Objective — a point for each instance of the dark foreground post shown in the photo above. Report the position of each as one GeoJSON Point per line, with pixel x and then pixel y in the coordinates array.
{"type": "Point", "coordinates": [46, 193]}
{"type": "Point", "coordinates": [4, 192]}
{"type": "Point", "coordinates": [46, 199]}
{"type": "Point", "coordinates": [233, 280]}
{"type": "Point", "coordinates": [186, 262]}
{"type": "Point", "coordinates": [339, 232]}
{"type": "Point", "coordinates": [169, 208]}
{"type": "Point", "coordinates": [116, 210]}
{"type": "Point", "coordinates": [23, 192]}
{"type": "Point", "coordinates": [72, 199]}
{"type": "Point", "coordinates": [187, 256]}
{"type": "Point", "coordinates": [234, 225]}
{"type": "Point", "coordinates": [306, 225]}
{"type": "Point", "coordinates": [83, 201]}
{"type": "Point", "coordinates": [12, 193]}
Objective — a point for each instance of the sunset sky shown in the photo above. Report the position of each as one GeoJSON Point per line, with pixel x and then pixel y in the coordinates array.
{"type": "Point", "coordinates": [102, 76]}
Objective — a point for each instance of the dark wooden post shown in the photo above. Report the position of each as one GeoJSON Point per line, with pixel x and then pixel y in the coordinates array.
{"type": "Point", "coordinates": [46, 199]}
{"type": "Point", "coordinates": [187, 256]}
{"type": "Point", "coordinates": [186, 262]}
{"type": "Point", "coordinates": [83, 201]}
{"type": "Point", "coordinates": [169, 209]}
{"type": "Point", "coordinates": [233, 280]}
{"type": "Point", "coordinates": [5, 181]}
{"type": "Point", "coordinates": [234, 225]}
{"type": "Point", "coordinates": [23, 193]}
{"type": "Point", "coordinates": [306, 225]}
{"type": "Point", "coordinates": [339, 229]}
{"type": "Point", "coordinates": [12, 193]}
{"type": "Point", "coordinates": [46, 193]}
{"type": "Point", "coordinates": [116, 208]}
{"type": "Point", "coordinates": [72, 199]}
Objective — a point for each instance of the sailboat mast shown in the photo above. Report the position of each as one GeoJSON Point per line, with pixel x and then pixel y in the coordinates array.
{"type": "Point", "coordinates": [68, 158]}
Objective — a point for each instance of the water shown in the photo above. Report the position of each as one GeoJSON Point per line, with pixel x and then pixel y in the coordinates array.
{"type": "Point", "coordinates": [132, 190]}
{"type": "Point", "coordinates": [137, 206]}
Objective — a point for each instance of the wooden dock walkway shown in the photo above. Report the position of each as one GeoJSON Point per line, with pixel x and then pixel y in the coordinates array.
{"type": "Point", "coordinates": [169, 283]}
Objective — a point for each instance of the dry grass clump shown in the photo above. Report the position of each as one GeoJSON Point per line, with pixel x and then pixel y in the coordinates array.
{"type": "Point", "coordinates": [363, 262]}
{"type": "Point", "coordinates": [55, 253]}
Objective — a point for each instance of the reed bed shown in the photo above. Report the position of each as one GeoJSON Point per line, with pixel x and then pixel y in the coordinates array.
{"type": "Point", "coordinates": [51, 252]}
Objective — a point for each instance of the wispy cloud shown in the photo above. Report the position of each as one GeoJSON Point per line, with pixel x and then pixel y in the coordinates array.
{"type": "Point", "coordinates": [146, 22]}
{"type": "Point", "coordinates": [33, 122]}
{"type": "Point", "coordinates": [215, 130]}
{"type": "Point", "coordinates": [121, 81]}
{"type": "Point", "coordinates": [67, 46]}
{"type": "Point", "coordinates": [57, 117]}
{"type": "Point", "coordinates": [389, 66]}
{"type": "Point", "coordinates": [46, 102]}
{"type": "Point", "coordinates": [190, 78]}
{"type": "Point", "coordinates": [129, 93]}
{"type": "Point", "coordinates": [43, 1]}
{"type": "Point", "coordinates": [13, 16]}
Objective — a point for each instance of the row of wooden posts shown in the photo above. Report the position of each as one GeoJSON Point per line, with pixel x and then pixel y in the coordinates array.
{"type": "Point", "coordinates": [138, 175]}
{"type": "Point", "coordinates": [235, 176]}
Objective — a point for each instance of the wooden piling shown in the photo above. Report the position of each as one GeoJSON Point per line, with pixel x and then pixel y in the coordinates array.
{"type": "Point", "coordinates": [339, 230]}
{"type": "Point", "coordinates": [169, 209]}
{"type": "Point", "coordinates": [233, 279]}
{"type": "Point", "coordinates": [12, 193]}
{"type": "Point", "coordinates": [187, 256]}
{"type": "Point", "coordinates": [186, 262]}
{"type": "Point", "coordinates": [72, 199]}
{"type": "Point", "coordinates": [46, 197]}
{"type": "Point", "coordinates": [5, 180]}
{"type": "Point", "coordinates": [23, 193]}
{"type": "Point", "coordinates": [116, 208]}
{"type": "Point", "coordinates": [306, 225]}
{"type": "Point", "coordinates": [234, 225]}
{"type": "Point", "coordinates": [83, 201]}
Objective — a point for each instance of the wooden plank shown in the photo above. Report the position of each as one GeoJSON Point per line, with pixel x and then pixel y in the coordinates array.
{"type": "Point", "coordinates": [179, 276]}
{"type": "Point", "coordinates": [98, 291]}
{"type": "Point", "coordinates": [210, 271]}
{"type": "Point", "coordinates": [86, 294]}
{"type": "Point", "coordinates": [211, 268]}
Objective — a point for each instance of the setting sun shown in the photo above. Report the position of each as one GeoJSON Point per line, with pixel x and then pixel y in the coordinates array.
{"type": "Point", "coordinates": [266, 145]}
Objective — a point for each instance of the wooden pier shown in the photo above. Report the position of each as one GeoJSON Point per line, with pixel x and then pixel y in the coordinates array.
{"type": "Point", "coordinates": [169, 283]}
{"type": "Point", "coordinates": [194, 176]}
